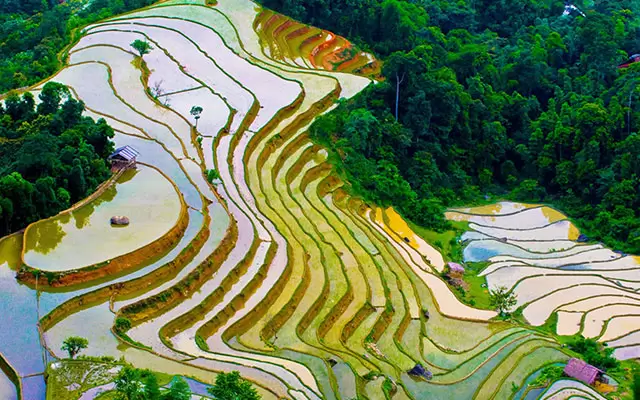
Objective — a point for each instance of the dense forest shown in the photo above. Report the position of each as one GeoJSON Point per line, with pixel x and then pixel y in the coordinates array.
{"type": "Point", "coordinates": [50, 155]}
{"type": "Point", "coordinates": [496, 99]}
{"type": "Point", "coordinates": [33, 32]}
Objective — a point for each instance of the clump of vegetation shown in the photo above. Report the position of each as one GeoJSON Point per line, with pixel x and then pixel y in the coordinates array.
{"type": "Point", "coordinates": [50, 156]}
{"type": "Point", "coordinates": [212, 175]}
{"type": "Point", "coordinates": [502, 300]}
{"type": "Point", "coordinates": [33, 32]}
{"type": "Point", "coordinates": [499, 98]}
{"type": "Point", "coordinates": [138, 384]}
{"type": "Point", "coordinates": [594, 353]}
{"type": "Point", "coordinates": [142, 47]}
{"type": "Point", "coordinates": [388, 387]}
{"type": "Point", "coordinates": [636, 386]}
{"type": "Point", "coordinates": [102, 359]}
{"type": "Point", "coordinates": [122, 324]}
{"type": "Point", "coordinates": [230, 386]}
{"type": "Point", "coordinates": [74, 345]}
{"type": "Point", "coordinates": [548, 375]}
{"type": "Point", "coordinates": [196, 112]}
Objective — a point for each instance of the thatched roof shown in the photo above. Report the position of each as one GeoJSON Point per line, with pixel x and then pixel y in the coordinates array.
{"type": "Point", "coordinates": [582, 371]}
{"type": "Point", "coordinates": [455, 267]}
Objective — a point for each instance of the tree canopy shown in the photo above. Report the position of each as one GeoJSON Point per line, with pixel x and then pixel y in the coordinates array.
{"type": "Point", "coordinates": [50, 156]}
{"type": "Point", "coordinates": [74, 345]}
{"type": "Point", "coordinates": [142, 384]}
{"type": "Point", "coordinates": [503, 98]}
{"type": "Point", "coordinates": [33, 32]}
{"type": "Point", "coordinates": [141, 46]}
{"type": "Point", "coordinates": [230, 386]}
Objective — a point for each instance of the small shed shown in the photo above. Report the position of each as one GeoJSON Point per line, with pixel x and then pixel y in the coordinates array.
{"type": "Point", "coordinates": [455, 267]}
{"type": "Point", "coordinates": [582, 371]}
{"type": "Point", "coordinates": [124, 157]}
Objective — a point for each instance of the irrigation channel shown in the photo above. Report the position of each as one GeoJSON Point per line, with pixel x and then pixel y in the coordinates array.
{"type": "Point", "coordinates": [273, 270]}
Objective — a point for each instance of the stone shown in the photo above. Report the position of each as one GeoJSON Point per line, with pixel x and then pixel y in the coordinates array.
{"type": "Point", "coordinates": [120, 221]}
{"type": "Point", "coordinates": [420, 372]}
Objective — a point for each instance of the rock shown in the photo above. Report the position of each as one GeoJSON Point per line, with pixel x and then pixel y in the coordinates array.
{"type": "Point", "coordinates": [420, 372]}
{"type": "Point", "coordinates": [582, 238]}
{"type": "Point", "coordinates": [120, 221]}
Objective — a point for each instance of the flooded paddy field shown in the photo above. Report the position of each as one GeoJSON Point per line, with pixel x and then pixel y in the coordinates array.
{"type": "Point", "coordinates": [277, 271]}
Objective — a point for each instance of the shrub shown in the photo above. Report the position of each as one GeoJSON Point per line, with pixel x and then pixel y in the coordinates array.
{"type": "Point", "coordinates": [122, 324]}
{"type": "Point", "coordinates": [594, 353]}
{"type": "Point", "coordinates": [547, 375]}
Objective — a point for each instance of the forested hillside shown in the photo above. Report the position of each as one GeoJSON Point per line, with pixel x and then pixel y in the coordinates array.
{"type": "Point", "coordinates": [504, 98]}
{"type": "Point", "coordinates": [50, 156]}
{"type": "Point", "coordinates": [33, 32]}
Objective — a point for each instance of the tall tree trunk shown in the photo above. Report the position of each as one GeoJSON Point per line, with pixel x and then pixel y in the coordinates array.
{"type": "Point", "coordinates": [629, 112]}
{"type": "Point", "coordinates": [398, 82]}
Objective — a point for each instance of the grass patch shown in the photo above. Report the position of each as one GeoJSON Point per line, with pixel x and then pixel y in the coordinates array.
{"type": "Point", "coordinates": [128, 339]}
{"type": "Point", "coordinates": [70, 378]}
{"type": "Point", "coordinates": [473, 291]}
{"type": "Point", "coordinates": [446, 242]}
{"type": "Point", "coordinates": [477, 295]}
{"type": "Point", "coordinates": [202, 343]}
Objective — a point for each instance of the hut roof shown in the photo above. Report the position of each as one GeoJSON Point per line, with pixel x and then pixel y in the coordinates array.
{"type": "Point", "coordinates": [455, 267]}
{"type": "Point", "coordinates": [127, 153]}
{"type": "Point", "coordinates": [582, 371]}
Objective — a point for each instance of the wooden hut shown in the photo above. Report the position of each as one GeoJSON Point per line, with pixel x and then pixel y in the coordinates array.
{"type": "Point", "coordinates": [582, 371]}
{"type": "Point", "coordinates": [124, 157]}
{"type": "Point", "coordinates": [455, 268]}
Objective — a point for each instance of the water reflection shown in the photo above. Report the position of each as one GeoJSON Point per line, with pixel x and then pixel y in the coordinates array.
{"type": "Point", "coordinates": [85, 236]}
{"type": "Point", "coordinates": [46, 237]}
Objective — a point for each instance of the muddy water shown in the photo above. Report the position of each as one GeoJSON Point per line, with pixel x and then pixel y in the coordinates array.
{"type": "Point", "coordinates": [85, 236]}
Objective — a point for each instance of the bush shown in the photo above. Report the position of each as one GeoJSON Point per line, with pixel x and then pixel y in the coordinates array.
{"type": "Point", "coordinates": [122, 324]}
{"type": "Point", "coordinates": [594, 353]}
{"type": "Point", "coordinates": [549, 374]}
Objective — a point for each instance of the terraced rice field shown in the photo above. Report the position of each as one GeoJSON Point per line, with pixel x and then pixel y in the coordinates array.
{"type": "Point", "coordinates": [67, 240]}
{"type": "Point", "coordinates": [532, 250]}
{"type": "Point", "coordinates": [273, 270]}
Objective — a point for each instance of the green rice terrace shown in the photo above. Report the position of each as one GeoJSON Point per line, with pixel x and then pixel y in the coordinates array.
{"type": "Point", "coordinates": [243, 249]}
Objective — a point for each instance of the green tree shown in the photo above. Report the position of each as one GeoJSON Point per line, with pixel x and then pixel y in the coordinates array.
{"type": "Point", "coordinates": [230, 386]}
{"type": "Point", "coordinates": [122, 324]}
{"type": "Point", "coordinates": [142, 47]}
{"type": "Point", "coordinates": [128, 384]}
{"type": "Point", "coordinates": [50, 97]}
{"type": "Point", "coordinates": [399, 66]}
{"type": "Point", "coordinates": [179, 390]}
{"type": "Point", "coordinates": [594, 353]}
{"type": "Point", "coordinates": [196, 112]}
{"type": "Point", "coordinates": [212, 175]}
{"type": "Point", "coordinates": [151, 387]}
{"type": "Point", "coordinates": [74, 345]}
{"type": "Point", "coordinates": [636, 386]}
{"type": "Point", "coordinates": [502, 299]}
